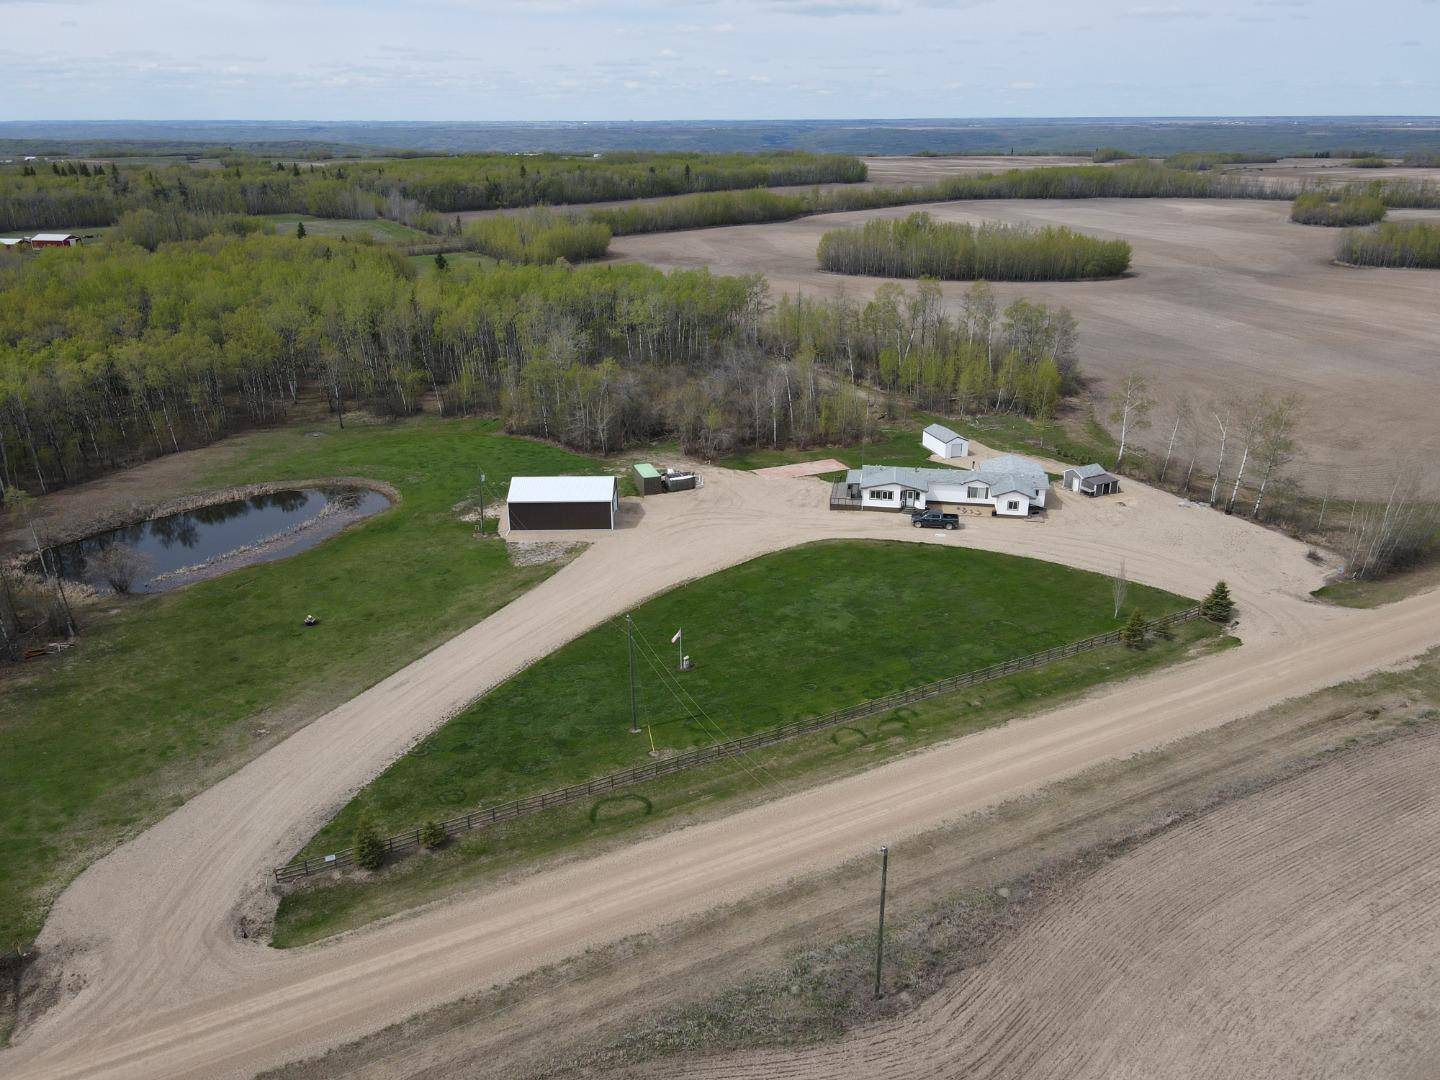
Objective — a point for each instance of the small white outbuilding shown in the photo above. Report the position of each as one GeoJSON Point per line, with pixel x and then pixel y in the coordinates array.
{"type": "Point", "coordinates": [942, 442]}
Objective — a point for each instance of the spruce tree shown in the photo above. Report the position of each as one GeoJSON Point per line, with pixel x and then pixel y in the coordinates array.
{"type": "Point", "coordinates": [441, 262]}
{"type": "Point", "coordinates": [1218, 607]}
{"type": "Point", "coordinates": [1133, 632]}
{"type": "Point", "coordinates": [300, 230]}
{"type": "Point", "coordinates": [369, 847]}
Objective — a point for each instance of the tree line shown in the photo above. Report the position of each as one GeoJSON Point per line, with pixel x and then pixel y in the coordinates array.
{"type": "Point", "coordinates": [112, 354]}
{"type": "Point", "coordinates": [920, 246]}
{"type": "Point", "coordinates": [1326, 208]}
{"type": "Point", "coordinates": [1408, 244]}
{"type": "Point", "coordinates": [412, 190]}
{"type": "Point", "coordinates": [1132, 180]}
{"type": "Point", "coordinates": [538, 236]}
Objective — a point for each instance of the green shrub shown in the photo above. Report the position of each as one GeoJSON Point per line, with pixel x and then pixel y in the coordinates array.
{"type": "Point", "coordinates": [918, 246]}
{"type": "Point", "coordinates": [1411, 244]}
{"type": "Point", "coordinates": [1132, 634]}
{"type": "Point", "coordinates": [1217, 606]}
{"type": "Point", "coordinates": [1111, 153]}
{"type": "Point", "coordinates": [369, 847]}
{"type": "Point", "coordinates": [432, 835]}
{"type": "Point", "coordinates": [1370, 161]}
{"type": "Point", "coordinates": [1323, 208]}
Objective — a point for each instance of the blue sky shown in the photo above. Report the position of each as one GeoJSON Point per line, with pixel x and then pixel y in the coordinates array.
{"type": "Point", "coordinates": [705, 59]}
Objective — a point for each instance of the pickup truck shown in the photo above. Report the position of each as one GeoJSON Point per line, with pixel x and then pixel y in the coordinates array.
{"type": "Point", "coordinates": [934, 519]}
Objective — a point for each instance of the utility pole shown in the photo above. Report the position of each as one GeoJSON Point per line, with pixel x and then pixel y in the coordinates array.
{"type": "Point", "coordinates": [880, 934]}
{"type": "Point", "coordinates": [482, 504]}
{"type": "Point", "coordinates": [634, 710]}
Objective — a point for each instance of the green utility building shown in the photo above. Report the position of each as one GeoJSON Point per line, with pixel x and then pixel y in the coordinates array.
{"type": "Point", "coordinates": [648, 480]}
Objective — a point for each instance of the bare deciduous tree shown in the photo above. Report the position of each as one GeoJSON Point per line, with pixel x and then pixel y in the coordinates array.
{"type": "Point", "coordinates": [1130, 408]}
{"type": "Point", "coordinates": [119, 565]}
{"type": "Point", "coordinates": [1119, 587]}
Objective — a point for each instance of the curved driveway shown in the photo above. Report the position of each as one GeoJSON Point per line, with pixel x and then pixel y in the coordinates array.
{"type": "Point", "coordinates": [158, 983]}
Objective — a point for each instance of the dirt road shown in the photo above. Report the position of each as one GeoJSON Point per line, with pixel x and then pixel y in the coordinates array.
{"type": "Point", "coordinates": [1227, 297]}
{"type": "Point", "coordinates": [1291, 934]}
{"type": "Point", "coordinates": [157, 983]}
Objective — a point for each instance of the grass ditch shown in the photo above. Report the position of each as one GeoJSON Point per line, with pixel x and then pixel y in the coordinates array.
{"type": "Point", "coordinates": [165, 694]}
{"type": "Point", "coordinates": [323, 907]}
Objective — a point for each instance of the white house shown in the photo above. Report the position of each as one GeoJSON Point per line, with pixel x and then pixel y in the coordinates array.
{"type": "Point", "coordinates": [1091, 480]}
{"type": "Point", "coordinates": [1010, 485]}
{"type": "Point", "coordinates": [941, 441]}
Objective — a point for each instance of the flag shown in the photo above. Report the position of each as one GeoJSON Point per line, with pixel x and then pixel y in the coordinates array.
{"type": "Point", "coordinates": [676, 638]}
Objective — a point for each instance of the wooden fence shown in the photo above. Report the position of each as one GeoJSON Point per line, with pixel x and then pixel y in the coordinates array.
{"type": "Point", "coordinates": [705, 755]}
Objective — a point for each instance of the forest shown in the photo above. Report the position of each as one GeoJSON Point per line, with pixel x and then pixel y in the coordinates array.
{"type": "Point", "coordinates": [1409, 245]}
{"type": "Point", "coordinates": [112, 354]}
{"type": "Point", "coordinates": [1327, 208]}
{"type": "Point", "coordinates": [920, 246]}
{"type": "Point", "coordinates": [74, 194]}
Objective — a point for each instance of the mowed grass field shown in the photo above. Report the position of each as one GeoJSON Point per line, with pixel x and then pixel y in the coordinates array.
{"type": "Point", "coordinates": [379, 229]}
{"type": "Point", "coordinates": [783, 637]}
{"type": "Point", "coordinates": [171, 692]}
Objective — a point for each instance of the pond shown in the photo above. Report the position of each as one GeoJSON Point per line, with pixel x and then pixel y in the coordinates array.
{"type": "Point", "coordinates": [181, 548]}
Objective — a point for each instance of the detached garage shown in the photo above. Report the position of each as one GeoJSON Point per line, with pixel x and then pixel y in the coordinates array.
{"type": "Point", "coordinates": [563, 502]}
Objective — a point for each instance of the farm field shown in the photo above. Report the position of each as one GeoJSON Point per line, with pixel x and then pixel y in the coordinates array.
{"type": "Point", "coordinates": [167, 693]}
{"type": "Point", "coordinates": [1225, 297]}
{"type": "Point", "coordinates": [1291, 933]}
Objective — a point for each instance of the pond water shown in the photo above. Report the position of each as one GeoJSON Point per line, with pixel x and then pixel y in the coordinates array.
{"type": "Point", "coordinates": [170, 550]}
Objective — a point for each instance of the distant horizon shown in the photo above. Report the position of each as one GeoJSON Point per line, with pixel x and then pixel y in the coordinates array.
{"type": "Point", "coordinates": [664, 61]}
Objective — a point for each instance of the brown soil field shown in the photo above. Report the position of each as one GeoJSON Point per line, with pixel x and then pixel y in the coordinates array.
{"type": "Point", "coordinates": [1226, 298]}
{"type": "Point", "coordinates": [1330, 170]}
{"type": "Point", "coordinates": [1295, 933]}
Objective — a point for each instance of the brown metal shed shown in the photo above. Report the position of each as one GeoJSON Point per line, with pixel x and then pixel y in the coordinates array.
{"type": "Point", "coordinates": [563, 502]}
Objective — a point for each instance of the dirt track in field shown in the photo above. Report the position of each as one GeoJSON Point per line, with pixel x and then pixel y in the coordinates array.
{"type": "Point", "coordinates": [1295, 933]}
{"type": "Point", "coordinates": [155, 981]}
{"type": "Point", "coordinates": [1227, 297]}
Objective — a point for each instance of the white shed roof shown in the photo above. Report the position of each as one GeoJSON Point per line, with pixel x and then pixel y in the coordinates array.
{"type": "Point", "coordinates": [52, 237]}
{"type": "Point", "coordinates": [561, 489]}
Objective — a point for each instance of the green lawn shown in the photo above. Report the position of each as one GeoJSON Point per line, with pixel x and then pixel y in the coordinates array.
{"type": "Point", "coordinates": [174, 691]}
{"type": "Point", "coordinates": [791, 668]}
{"type": "Point", "coordinates": [785, 636]}
{"type": "Point", "coordinates": [380, 229]}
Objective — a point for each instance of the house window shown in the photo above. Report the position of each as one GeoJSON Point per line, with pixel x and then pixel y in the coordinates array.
{"type": "Point", "coordinates": [883, 495]}
{"type": "Point", "coordinates": [1012, 505]}
{"type": "Point", "coordinates": [975, 493]}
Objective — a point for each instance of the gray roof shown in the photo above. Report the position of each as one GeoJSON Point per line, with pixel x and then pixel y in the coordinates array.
{"type": "Point", "coordinates": [1087, 471]}
{"type": "Point", "coordinates": [1011, 472]}
{"type": "Point", "coordinates": [919, 479]}
{"type": "Point", "coordinates": [554, 489]}
{"type": "Point", "coordinates": [940, 431]}
{"type": "Point", "coordinates": [1003, 474]}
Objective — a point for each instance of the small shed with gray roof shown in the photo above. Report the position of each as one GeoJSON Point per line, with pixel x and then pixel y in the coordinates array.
{"type": "Point", "coordinates": [942, 442]}
{"type": "Point", "coordinates": [1091, 480]}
